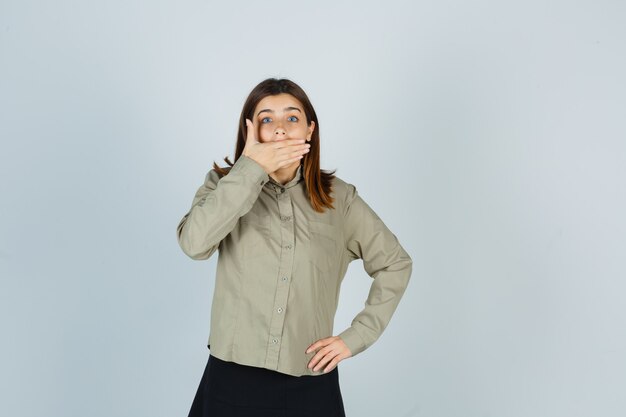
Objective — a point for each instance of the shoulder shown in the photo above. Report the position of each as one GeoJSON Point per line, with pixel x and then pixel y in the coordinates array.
{"type": "Point", "coordinates": [344, 192]}
{"type": "Point", "coordinates": [211, 179]}
{"type": "Point", "coordinates": [341, 187]}
{"type": "Point", "coordinates": [212, 176]}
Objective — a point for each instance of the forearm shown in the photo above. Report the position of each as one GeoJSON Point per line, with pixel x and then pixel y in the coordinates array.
{"type": "Point", "coordinates": [384, 296]}
{"type": "Point", "coordinates": [218, 205]}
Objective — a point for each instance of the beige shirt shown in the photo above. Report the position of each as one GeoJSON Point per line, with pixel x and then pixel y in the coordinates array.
{"type": "Point", "coordinates": [280, 266]}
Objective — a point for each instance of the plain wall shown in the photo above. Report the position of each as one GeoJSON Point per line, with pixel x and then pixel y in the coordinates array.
{"type": "Point", "coordinates": [488, 135]}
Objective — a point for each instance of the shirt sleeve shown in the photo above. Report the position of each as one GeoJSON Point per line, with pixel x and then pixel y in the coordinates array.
{"type": "Point", "coordinates": [218, 205]}
{"type": "Point", "coordinates": [384, 259]}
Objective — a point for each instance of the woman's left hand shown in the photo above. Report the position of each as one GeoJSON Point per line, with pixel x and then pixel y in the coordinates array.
{"type": "Point", "coordinates": [333, 350]}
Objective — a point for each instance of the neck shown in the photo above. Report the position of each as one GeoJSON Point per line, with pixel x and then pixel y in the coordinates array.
{"type": "Point", "coordinates": [285, 174]}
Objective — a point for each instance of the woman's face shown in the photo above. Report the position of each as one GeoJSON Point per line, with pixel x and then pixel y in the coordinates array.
{"type": "Point", "coordinates": [281, 117]}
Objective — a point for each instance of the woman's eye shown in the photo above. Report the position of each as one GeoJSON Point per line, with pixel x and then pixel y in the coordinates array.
{"type": "Point", "coordinates": [295, 119]}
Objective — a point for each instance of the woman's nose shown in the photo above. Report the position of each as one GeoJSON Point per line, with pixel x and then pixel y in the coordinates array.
{"type": "Point", "coordinates": [279, 133]}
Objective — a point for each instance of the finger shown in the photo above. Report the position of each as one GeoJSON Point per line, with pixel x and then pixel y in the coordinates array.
{"type": "Point", "coordinates": [288, 155]}
{"type": "Point", "coordinates": [287, 142]}
{"type": "Point", "coordinates": [324, 361]}
{"type": "Point", "coordinates": [250, 133]}
{"type": "Point", "coordinates": [300, 152]}
{"type": "Point", "coordinates": [319, 343]}
{"type": "Point", "coordinates": [318, 356]}
{"type": "Point", "coordinates": [319, 359]}
{"type": "Point", "coordinates": [286, 162]}
{"type": "Point", "coordinates": [332, 364]}
{"type": "Point", "coordinates": [313, 361]}
{"type": "Point", "coordinates": [316, 363]}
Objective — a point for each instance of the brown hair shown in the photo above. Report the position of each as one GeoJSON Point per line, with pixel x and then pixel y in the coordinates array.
{"type": "Point", "coordinates": [318, 183]}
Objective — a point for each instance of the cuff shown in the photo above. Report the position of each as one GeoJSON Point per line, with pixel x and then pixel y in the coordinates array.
{"type": "Point", "coordinates": [353, 340]}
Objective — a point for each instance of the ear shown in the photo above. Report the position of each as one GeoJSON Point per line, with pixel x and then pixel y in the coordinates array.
{"type": "Point", "coordinates": [310, 130]}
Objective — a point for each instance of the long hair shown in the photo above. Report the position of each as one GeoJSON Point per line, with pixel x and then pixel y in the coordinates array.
{"type": "Point", "coordinates": [318, 182]}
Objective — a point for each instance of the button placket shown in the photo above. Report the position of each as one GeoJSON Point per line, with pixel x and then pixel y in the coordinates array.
{"type": "Point", "coordinates": [287, 241]}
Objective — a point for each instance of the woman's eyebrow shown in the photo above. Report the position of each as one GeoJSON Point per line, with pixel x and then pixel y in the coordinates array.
{"type": "Point", "coordinates": [285, 109]}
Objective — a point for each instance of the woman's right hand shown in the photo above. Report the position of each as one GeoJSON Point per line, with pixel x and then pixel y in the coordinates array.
{"type": "Point", "coordinates": [273, 155]}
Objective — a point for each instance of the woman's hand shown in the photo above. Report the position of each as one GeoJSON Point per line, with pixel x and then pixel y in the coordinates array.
{"type": "Point", "coordinates": [273, 155]}
{"type": "Point", "coordinates": [333, 350]}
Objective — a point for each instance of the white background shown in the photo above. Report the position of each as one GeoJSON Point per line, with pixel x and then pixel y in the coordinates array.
{"type": "Point", "coordinates": [488, 135]}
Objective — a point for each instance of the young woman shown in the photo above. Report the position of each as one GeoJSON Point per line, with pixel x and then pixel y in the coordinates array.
{"type": "Point", "coordinates": [285, 232]}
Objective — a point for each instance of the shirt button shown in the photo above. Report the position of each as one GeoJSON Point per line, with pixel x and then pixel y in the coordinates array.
{"type": "Point", "coordinates": [274, 341]}
{"type": "Point", "coordinates": [284, 278]}
{"type": "Point", "coordinates": [280, 309]}
{"type": "Point", "coordinates": [282, 190]}
{"type": "Point", "coordinates": [288, 247]}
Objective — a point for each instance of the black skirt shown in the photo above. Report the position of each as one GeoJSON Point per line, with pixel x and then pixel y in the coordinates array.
{"type": "Point", "coordinates": [229, 389]}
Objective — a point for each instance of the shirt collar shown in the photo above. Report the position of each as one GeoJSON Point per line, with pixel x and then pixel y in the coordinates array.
{"type": "Point", "coordinates": [295, 180]}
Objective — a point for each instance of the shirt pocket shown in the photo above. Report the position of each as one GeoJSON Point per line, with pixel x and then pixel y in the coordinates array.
{"type": "Point", "coordinates": [323, 246]}
{"type": "Point", "coordinates": [254, 234]}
